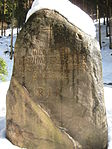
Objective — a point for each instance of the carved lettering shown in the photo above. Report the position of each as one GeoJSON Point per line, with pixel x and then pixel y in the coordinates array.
{"type": "Point", "coordinates": [43, 92]}
{"type": "Point", "coordinates": [36, 58]}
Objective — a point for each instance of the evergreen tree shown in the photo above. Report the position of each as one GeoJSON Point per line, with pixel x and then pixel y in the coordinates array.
{"type": "Point", "coordinates": [3, 69]}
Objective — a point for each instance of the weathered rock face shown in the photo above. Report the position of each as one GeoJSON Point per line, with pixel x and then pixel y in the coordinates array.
{"type": "Point", "coordinates": [55, 99]}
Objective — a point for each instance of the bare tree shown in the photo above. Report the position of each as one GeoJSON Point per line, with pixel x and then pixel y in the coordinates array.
{"type": "Point", "coordinates": [2, 25]}
{"type": "Point", "coordinates": [12, 26]}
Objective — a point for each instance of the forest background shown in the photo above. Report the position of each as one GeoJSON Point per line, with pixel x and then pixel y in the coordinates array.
{"type": "Point", "coordinates": [13, 13]}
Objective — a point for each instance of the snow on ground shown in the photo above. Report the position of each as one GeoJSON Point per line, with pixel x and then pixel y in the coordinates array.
{"type": "Point", "coordinates": [106, 54]}
{"type": "Point", "coordinates": [5, 46]}
{"type": "Point", "coordinates": [70, 11]}
{"type": "Point", "coordinates": [4, 143]}
{"type": "Point", "coordinates": [108, 103]}
{"type": "Point", "coordinates": [107, 77]}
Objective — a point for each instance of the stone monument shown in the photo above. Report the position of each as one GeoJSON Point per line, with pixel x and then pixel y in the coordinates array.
{"type": "Point", "coordinates": [55, 99]}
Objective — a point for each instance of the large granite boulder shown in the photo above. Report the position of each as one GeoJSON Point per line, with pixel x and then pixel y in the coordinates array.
{"type": "Point", "coordinates": [55, 99]}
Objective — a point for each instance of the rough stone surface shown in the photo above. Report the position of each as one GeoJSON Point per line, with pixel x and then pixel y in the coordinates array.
{"type": "Point", "coordinates": [55, 99]}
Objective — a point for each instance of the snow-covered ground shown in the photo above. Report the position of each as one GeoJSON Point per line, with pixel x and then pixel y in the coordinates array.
{"type": "Point", "coordinates": [106, 54]}
{"type": "Point", "coordinates": [5, 43]}
{"type": "Point", "coordinates": [5, 46]}
{"type": "Point", "coordinates": [107, 77]}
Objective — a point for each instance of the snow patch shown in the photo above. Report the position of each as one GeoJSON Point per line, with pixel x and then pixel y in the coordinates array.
{"type": "Point", "coordinates": [70, 11]}
{"type": "Point", "coordinates": [5, 144]}
{"type": "Point", "coordinates": [108, 102]}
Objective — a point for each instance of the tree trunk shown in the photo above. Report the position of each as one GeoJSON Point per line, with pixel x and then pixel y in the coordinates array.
{"type": "Point", "coordinates": [83, 5]}
{"type": "Point", "coordinates": [11, 52]}
{"type": "Point", "coordinates": [110, 24]}
{"type": "Point", "coordinates": [2, 25]}
{"type": "Point", "coordinates": [107, 20]}
{"type": "Point", "coordinates": [110, 32]}
{"type": "Point", "coordinates": [97, 12]}
{"type": "Point", "coordinates": [107, 27]}
{"type": "Point", "coordinates": [104, 20]}
{"type": "Point", "coordinates": [100, 33]}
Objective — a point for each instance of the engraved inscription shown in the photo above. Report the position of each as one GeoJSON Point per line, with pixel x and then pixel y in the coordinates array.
{"type": "Point", "coordinates": [43, 92]}
{"type": "Point", "coordinates": [36, 58]}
